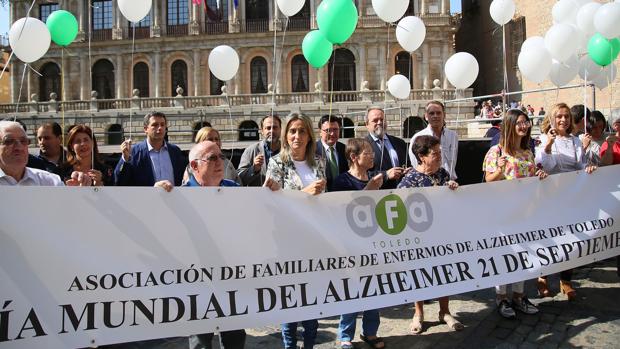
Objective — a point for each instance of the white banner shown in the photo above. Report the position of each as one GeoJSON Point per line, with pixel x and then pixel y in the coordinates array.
{"type": "Point", "coordinates": [81, 267]}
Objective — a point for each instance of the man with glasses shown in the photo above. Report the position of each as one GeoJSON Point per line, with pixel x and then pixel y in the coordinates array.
{"type": "Point", "coordinates": [330, 149]}
{"type": "Point", "coordinates": [151, 161]}
{"type": "Point", "coordinates": [255, 158]}
{"type": "Point", "coordinates": [14, 157]}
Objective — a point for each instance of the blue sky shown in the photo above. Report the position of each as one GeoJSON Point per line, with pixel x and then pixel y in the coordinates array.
{"type": "Point", "coordinates": [455, 6]}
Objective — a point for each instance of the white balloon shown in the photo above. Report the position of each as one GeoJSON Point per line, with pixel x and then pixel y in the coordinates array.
{"type": "Point", "coordinates": [462, 69]}
{"type": "Point", "coordinates": [29, 38]}
{"type": "Point", "coordinates": [535, 65]}
{"type": "Point", "coordinates": [589, 69]}
{"type": "Point", "coordinates": [224, 62]}
{"type": "Point", "coordinates": [565, 11]}
{"type": "Point", "coordinates": [607, 74]}
{"type": "Point", "coordinates": [581, 40]}
{"type": "Point", "coordinates": [563, 73]}
{"type": "Point", "coordinates": [502, 11]}
{"type": "Point", "coordinates": [410, 33]}
{"type": "Point", "coordinates": [532, 43]}
{"type": "Point", "coordinates": [607, 20]}
{"type": "Point", "coordinates": [585, 18]}
{"type": "Point", "coordinates": [399, 86]}
{"type": "Point", "coordinates": [560, 41]}
{"type": "Point", "coordinates": [134, 10]}
{"type": "Point", "coordinates": [290, 7]}
{"type": "Point", "coordinates": [390, 10]}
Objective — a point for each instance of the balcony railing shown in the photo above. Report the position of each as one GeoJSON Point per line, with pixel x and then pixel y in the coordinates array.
{"type": "Point", "coordinates": [216, 27]}
{"type": "Point", "coordinates": [141, 32]}
{"type": "Point", "coordinates": [256, 25]}
{"type": "Point", "coordinates": [101, 35]}
{"type": "Point", "coordinates": [194, 102]}
{"type": "Point", "coordinates": [298, 24]}
{"type": "Point", "coordinates": [370, 22]}
{"type": "Point", "coordinates": [176, 30]}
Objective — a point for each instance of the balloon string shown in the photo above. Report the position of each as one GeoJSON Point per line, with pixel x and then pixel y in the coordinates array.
{"type": "Point", "coordinates": [133, 49]}
{"type": "Point", "coordinates": [273, 59]}
{"type": "Point", "coordinates": [331, 82]}
{"type": "Point", "coordinates": [62, 92]}
{"type": "Point", "coordinates": [90, 62]}
{"type": "Point", "coordinates": [452, 167]}
{"type": "Point", "coordinates": [6, 65]}
{"type": "Point", "coordinates": [505, 69]}
{"type": "Point", "coordinates": [277, 58]}
{"type": "Point", "coordinates": [19, 96]}
{"type": "Point", "coordinates": [231, 126]}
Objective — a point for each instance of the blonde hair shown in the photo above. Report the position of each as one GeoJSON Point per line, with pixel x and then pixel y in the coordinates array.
{"type": "Point", "coordinates": [285, 151]}
{"type": "Point", "coordinates": [202, 134]}
{"type": "Point", "coordinates": [549, 120]}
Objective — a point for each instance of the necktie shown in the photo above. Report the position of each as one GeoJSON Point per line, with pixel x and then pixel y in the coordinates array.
{"type": "Point", "coordinates": [333, 165]}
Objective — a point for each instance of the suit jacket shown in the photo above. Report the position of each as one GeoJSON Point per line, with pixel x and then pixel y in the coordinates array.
{"type": "Point", "coordinates": [382, 166]}
{"type": "Point", "coordinates": [246, 165]}
{"type": "Point", "coordinates": [138, 171]}
{"type": "Point", "coordinates": [343, 165]}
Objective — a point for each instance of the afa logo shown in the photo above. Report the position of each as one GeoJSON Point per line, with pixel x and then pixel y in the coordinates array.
{"type": "Point", "coordinates": [391, 214]}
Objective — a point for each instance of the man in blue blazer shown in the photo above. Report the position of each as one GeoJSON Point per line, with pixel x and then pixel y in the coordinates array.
{"type": "Point", "coordinates": [152, 160]}
{"type": "Point", "coordinates": [330, 126]}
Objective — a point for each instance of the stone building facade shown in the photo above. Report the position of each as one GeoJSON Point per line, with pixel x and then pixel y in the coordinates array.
{"type": "Point", "coordinates": [162, 63]}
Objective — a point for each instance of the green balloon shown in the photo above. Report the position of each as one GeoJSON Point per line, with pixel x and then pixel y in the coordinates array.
{"type": "Point", "coordinates": [316, 48]}
{"type": "Point", "coordinates": [337, 19]}
{"type": "Point", "coordinates": [601, 50]}
{"type": "Point", "coordinates": [62, 26]}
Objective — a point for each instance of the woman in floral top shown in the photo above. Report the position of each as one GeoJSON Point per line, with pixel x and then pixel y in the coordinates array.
{"type": "Point", "coordinates": [429, 173]}
{"type": "Point", "coordinates": [510, 159]}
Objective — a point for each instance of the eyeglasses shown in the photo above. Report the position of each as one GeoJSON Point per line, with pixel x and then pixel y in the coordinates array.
{"type": "Point", "coordinates": [331, 130]}
{"type": "Point", "coordinates": [524, 123]}
{"type": "Point", "coordinates": [213, 158]}
{"type": "Point", "coordinates": [9, 142]}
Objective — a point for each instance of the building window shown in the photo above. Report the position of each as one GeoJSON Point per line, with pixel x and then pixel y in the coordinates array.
{"type": "Point", "coordinates": [215, 85]}
{"type": "Point", "coordinates": [178, 73]}
{"type": "Point", "coordinates": [403, 66]}
{"type": "Point", "coordinates": [299, 74]}
{"type": "Point", "coordinates": [102, 14]}
{"type": "Point", "coordinates": [248, 131]}
{"type": "Point", "coordinates": [141, 78]}
{"type": "Point", "coordinates": [103, 79]}
{"type": "Point", "coordinates": [258, 75]}
{"type": "Point", "coordinates": [348, 128]}
{"type": "Point", "coordinates": [114, 134]}
{"type": "Point", "coordinates": [45, 10]}
{"type": "Point", "coordinates": [178, 12]}
{"type": "Point", "coordinates": [49, 82]}
{"type": "Point", "coordinates": [256, 16]}
{"type": "Point", "coordinates": [198, 126]}
{"type": "Point", "coordinates": [342, 70]}
{"type": "Point", "coordinates": [217, 10]}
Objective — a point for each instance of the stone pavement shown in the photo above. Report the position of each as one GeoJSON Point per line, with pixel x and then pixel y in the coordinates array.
{"type": "Point", "coordinates": [591, 321]}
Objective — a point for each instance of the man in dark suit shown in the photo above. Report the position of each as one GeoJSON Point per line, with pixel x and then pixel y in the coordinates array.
{"type": "Point", "coordinates": [151, 161]}
{"type": "Point", "coordinates": [390, 151]}
{"type": "Point", "coordinates": [330, 149]}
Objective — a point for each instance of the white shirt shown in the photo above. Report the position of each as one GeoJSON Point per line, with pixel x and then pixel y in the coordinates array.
{"type": "Point", "coordinates": [305, 173]}
{"type": "Point", "coordinates": [566, 155]}
{"type": "Point", "coordinates": [32, 177]}
{"type": "Point", "coordinates": [328, 151]}
{"type": "Point", "coordinates": [388, 146]}
{"type": "Point", "coordinates": [449, 143]}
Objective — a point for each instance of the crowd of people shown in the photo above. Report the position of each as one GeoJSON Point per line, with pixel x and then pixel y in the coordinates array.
{"type": "Point", "coordinates": [289, 157]}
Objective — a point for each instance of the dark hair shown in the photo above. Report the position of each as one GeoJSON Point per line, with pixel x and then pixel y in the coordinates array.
{"type": "Point", "coordinates": [508, 135]}
{"type": "Point", "coordinates": [443, 107]}
{"type": "Point", "coordinates": [330, 119]}
{"type": "Point", "coordinates": [56, 129]}
{"type": "Point", "coordinates": [355, 146]}
{"type": "Point", "coordinates": [578, 113]}
{"type": "Point", "coordinates": [595, 116]}
{"type": "Point", "coordinates": [155, 114]}
{"type": "Point", "coordinates": [422, 146]}
{"type": "Point", "coordinates": [496, 122]}
{"type": "Point", "coordinates": [71, 156]}
{"type": "Point", "coordinates": [274, 116]}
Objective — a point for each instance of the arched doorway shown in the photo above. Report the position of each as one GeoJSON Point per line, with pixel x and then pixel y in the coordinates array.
{"type": "Point", "coordinates": [413, 125]}
{"type": "Point", "coordinates": [299, 74]}
{"type": "Point", "coordinates": [248, 131]}
{"type": "Point", "coordinates": [258, 75]}
{"type": "Point", "coordinates": [341, 70]}
{"type": "Point", "coordinates": [103, 79]}
{"type": "Point", "coordinates": [348, 128]}
{"type": "Point", "coordinates": [403, 66]}
{"type": "Point", "coordinates": [114, 134]}
{"type": "Point", "coordinates": [198, 126]}
{"type": "Point", "coordinates": [49, 82]}
{"type": "Point", "coordinates": [215, 85]}
{"type": "Point", "coordinates": [141, 78]}
{"type": "Point", "coordinates": [178, 77]}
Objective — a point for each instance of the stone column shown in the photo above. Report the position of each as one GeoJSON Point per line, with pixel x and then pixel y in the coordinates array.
{"type": "Point", "coordinates": [382, 66]}
{"type": "Point", "coordinates": [313, 5]}
{"type": "Point", "coordinates": [445, 7]}
{"type": "Point", "coordinates": [157, 73]}
{"type": "Point", "coordinates": [426, 53]}
{"type": "Point", "coordinates": [445, 54]}
{"type": "Point", "coordinates": [156, 20]}
{"type": "Point", "coordinates": [362, 65]}
{"type": "Point", "coordinates": [117, 31]}
{"type": "Point", "coordinates": [417, 70]}
{"type": "Point", "coordinates": [423, 7]}
{"type": "Point", "coordinates": [30, 87]}
{"type": "Point", "coordinates": [120, 76]}
{"type": "Point", "coordinates": [194, 27]}
{"type": "Point", "coordinates": [66, 81]}
{"type": "Point", "coordinates": [197, 73]}
{"type": "Point", "coordinates": [84, 79]}
{"type": "Point", "coordinates": [272, 20]}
